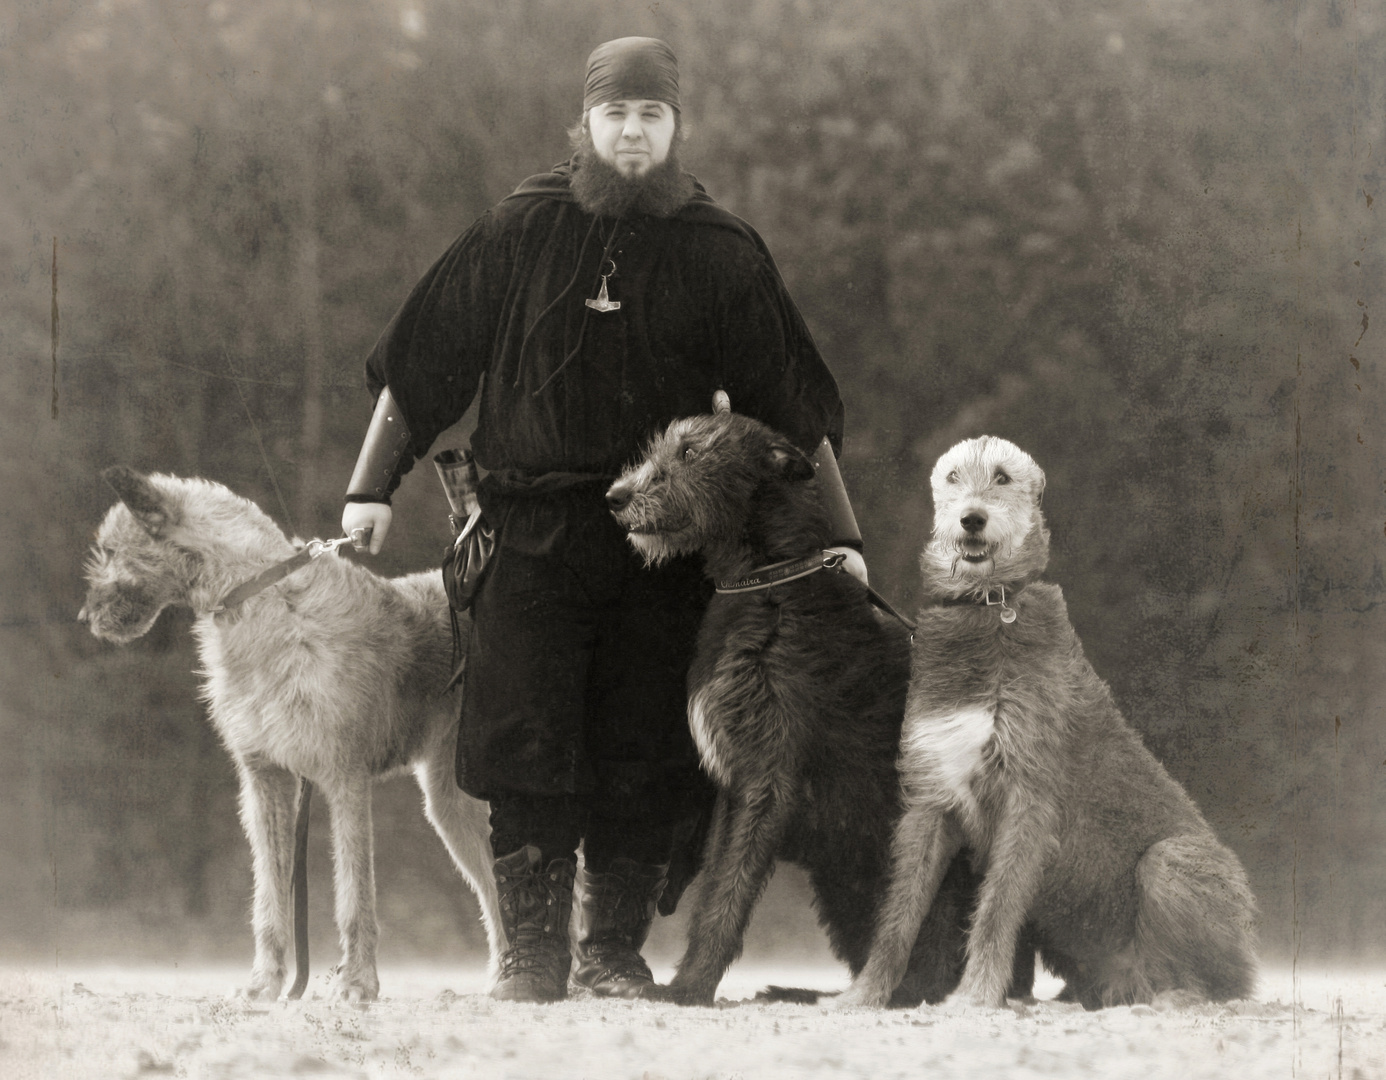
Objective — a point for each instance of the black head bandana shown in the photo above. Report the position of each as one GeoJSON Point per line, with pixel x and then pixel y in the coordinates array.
{"type": "Point", "coordinates": [631, 69]}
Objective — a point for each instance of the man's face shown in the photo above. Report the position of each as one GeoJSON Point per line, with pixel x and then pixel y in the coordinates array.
{"type": "Point", "coordinates": [632, 136]}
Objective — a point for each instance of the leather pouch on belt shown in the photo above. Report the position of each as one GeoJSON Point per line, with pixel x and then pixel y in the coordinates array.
{"type": "Point", "coordinates": [466, 561]}
{"type": "Point", "coordinates": [467, 558]}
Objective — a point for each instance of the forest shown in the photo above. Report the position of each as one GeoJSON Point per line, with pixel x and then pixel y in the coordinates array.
{"type": "Point", "coordinates": [1137, 237]}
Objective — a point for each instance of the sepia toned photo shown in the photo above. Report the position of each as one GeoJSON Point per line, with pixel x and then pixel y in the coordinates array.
{"type": "Point", "coordinates": [692, 540]}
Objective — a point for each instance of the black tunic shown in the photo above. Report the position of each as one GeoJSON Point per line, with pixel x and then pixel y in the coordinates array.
{"type": "Point", "coordinates": [577, 653]}
{"type": "Point", "coordinates": [703, 308]}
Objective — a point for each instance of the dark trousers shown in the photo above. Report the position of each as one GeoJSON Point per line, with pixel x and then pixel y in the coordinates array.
{"type": "Point", "coordinates": [574, 705]}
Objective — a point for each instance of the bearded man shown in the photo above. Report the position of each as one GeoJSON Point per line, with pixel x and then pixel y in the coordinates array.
{"type": "Point", "coordinates": [592, 306]}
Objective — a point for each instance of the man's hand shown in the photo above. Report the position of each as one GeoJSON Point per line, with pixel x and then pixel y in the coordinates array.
{"type": "Point", "coordinates": [372, 516]}
{"type": "Point", "coordinates": [852, 562]}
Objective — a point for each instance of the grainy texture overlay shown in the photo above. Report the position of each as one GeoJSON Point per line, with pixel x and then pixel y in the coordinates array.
{"type": "Point", "coordinates": [1142, 239]}
{"type": "Point", "coordinates": [98, 1025]}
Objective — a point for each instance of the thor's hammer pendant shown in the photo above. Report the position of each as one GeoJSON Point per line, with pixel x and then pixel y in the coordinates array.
{"type": "Point", "coordinates": [603, 303]}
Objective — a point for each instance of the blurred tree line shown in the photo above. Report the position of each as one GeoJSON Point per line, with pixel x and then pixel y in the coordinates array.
{"type": "Point", "coordinates": [1135, 236]}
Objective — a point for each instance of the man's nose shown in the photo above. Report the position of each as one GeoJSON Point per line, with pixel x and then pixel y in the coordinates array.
{"type": "Point", "coordinates": [634, 130]}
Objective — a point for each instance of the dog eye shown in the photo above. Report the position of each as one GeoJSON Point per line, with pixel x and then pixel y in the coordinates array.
{"type": "Point", "coordinates": [689, 453]}
{"type": "Point", "coordinates": [1002, 478]}
{"type": "Point", "coordinates": [953, 477]}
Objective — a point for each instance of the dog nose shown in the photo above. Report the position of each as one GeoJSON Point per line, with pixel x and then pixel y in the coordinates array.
{"type": "Point", "coordinates": [974, 522]}
{"type": "Point", "coordinates": [618, 498]}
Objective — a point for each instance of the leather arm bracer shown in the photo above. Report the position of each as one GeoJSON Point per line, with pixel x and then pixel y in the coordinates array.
{"type": "Point", "coordinates": [843, 531]}
{"type": "Point", "coordinates": [386, 443]}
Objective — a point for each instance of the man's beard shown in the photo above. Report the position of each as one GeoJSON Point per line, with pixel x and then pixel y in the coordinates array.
{"type": "Point", "coordinates": [601, 189]}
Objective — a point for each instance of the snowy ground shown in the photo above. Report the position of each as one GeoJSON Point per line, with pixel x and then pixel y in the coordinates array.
{"type": "Point", "coordinates": [71, 1024]}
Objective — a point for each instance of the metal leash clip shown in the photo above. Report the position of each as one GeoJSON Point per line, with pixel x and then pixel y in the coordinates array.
{"type": "Point", "coordinates": [833, 559]}
{"type": "Point", "coordinates": [321, 547]}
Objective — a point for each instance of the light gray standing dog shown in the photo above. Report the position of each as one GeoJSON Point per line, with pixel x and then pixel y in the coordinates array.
{"type": "Point", "coordinates": [333, 674]}
{"type": "Point", "coordinates": [1014, 746]}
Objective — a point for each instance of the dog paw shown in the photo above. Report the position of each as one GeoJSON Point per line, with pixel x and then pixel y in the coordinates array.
{"type": "Point", "coordinates": [263, 986]}
{"type": "Point", "coordinates": [1175, 1000]}
{"type": "Point", "coordinates": [968, 1002]}
{"type": "Point", "coordinates": [858, 996]}
{"type": "Point", "coordinates": [678, 995]}
{"type": "Point", "coordinates": [354, 989]}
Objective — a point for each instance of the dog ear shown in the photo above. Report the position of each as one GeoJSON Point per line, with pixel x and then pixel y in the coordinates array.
{"type": "Point", "coordinates": [142, 499]}
{"type": "Point", "coordinates": [790, 462]}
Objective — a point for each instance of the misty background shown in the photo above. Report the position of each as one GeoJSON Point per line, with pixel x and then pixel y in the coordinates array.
{"type": "Point", "coordinates": [1137, 237]}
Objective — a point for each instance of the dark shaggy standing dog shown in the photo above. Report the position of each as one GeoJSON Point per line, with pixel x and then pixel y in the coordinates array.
{"type": "Point", "coordinates": [1013, 745]}
{"type": "Point", "coordinates": [796, 695]}
{"type": "Point", "coordinates": [333, 673]}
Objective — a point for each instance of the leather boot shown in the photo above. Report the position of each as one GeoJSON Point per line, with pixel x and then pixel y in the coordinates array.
{"type": "Point", "coordinates": [535, 905]}
{"type": "Point", "coordinates": [615, 910]}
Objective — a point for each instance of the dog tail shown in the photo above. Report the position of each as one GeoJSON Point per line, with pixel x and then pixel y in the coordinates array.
{"type": "Point", "coordinates": [1195, 919]}
{"type": "Point", "coordinates": [794, 995]}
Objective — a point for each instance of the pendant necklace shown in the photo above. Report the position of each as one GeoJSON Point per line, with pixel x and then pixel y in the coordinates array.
{"type": "Point", "coordinates": [603, 302]}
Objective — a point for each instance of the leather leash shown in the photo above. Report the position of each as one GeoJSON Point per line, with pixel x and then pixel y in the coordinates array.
{"type": "Point", "coordinates": [278, 572]}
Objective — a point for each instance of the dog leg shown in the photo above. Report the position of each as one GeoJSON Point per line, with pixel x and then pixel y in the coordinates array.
{"type": "Point", "coordinates": [924, 844]}
{"type": "Point", "coordinates": [1023, 967]}
{"type": "Point", "coordinates": [740, 860]}
{"type": "Point", "coordinates": [465, 827]}
{"type": "Point", "coordinates": [1195, 924]}
{"type": "Point", "coordinates": [1023, 843]}
{"type": "Point", "coordinates": [267, 813]}
{"type": "Point", "coordinates": [713, 852]}
{"type": "Point", "coordinates": [353, 852]}
{"type": "Point", "coordinates": [939, 953]}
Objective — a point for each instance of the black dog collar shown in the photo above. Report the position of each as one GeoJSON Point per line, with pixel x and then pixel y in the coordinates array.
{"type": "Point", "coordinates": [792, 569]}
{"type": "Point", "coordinates": [993, 596]}
{"type": "Point", "coordinates": [779, 572]}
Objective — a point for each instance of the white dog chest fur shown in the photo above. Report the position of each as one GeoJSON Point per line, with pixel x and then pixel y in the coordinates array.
{"type": "Point", "coordinates": [941, 754]}
{"type": "Point", "coordinates": [704, 738]}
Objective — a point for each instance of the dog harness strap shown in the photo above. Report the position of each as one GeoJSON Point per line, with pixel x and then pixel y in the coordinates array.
{"type": "Point", "coordinates": [263, 580]}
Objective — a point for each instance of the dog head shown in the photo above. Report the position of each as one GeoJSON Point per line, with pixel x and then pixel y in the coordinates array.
{"type": "Point", "coordinates": [719, 484]}
{"type": "Point", "coordinates": [136, 569]}
{"type": "Point", "coordinates": [988, 529]}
